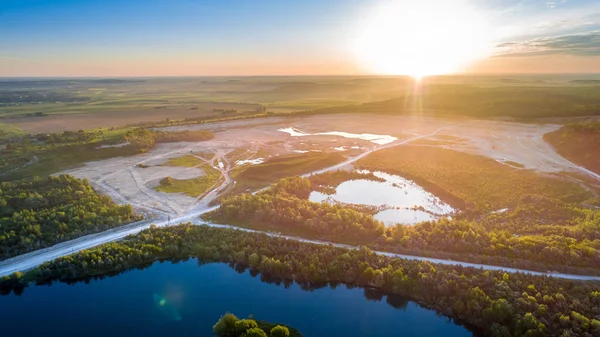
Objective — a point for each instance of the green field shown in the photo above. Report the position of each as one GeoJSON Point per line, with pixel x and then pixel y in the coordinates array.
{"type": "Point", "coordinates": [8, 131]}
{"type": "Point", "coordinates": [261, 175]}
{"type": "Point", "coordinates": [191, 187]}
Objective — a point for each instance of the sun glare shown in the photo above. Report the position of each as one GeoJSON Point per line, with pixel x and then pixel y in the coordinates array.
{"type": "Point", "coordinates": [428, 37]}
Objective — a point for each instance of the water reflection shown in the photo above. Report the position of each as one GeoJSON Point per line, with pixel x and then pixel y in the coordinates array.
{"type": "Point", "coordinates": [185, 299]}
{"type": "Point", "coordinates": [400, 200]}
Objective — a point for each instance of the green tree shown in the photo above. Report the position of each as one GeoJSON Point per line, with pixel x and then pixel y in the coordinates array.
{"type": "Point", "coordinates": [244, 325]}
{"type": "Point", "coordinates": [254, 332]}
{"type": "Point", "coordinates": [280, 331]}
{"type": "Point", "coordinates": [225, 327]}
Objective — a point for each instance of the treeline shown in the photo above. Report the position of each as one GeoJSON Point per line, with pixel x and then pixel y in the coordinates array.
{"type": "Point", "coordinates": [578, 142]}
{"type": "Point", "coordinates": [285, 207]}
{"type": "Point", "coordinates": [231, 326]}
{"type": "Point", "coordinates": [573, 246]}
{"type": "Point", "coordinates": [145, 139]}
{"type": "Point", "coordinates": [493, 302]}
{"type": "Point", "coordinates": [38, 213]}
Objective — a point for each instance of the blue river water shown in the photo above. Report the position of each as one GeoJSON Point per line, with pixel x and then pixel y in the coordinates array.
{"type": "Point", "coordinates": [187, 298]}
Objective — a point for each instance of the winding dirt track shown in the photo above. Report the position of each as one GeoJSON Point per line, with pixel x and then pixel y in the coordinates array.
{"type": "Point", "coordinates": [30, 260]}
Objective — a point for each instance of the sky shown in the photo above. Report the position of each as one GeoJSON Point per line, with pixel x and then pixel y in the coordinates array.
{"type": "Point", "coordinates": [275, 37]}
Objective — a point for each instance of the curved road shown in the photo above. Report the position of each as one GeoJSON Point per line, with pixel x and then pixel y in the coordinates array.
{"type": "Point", "coordinates": [31, 260]}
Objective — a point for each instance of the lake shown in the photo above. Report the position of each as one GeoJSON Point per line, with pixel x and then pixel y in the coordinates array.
{"type": "Point", "coordinates": [399, 197]}
{"type": "Point", "coordinates": [186, 299]}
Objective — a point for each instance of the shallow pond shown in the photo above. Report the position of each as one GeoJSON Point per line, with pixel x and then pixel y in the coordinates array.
{"type": "Point", "coordinates": [398, 196]}
{"type": "Point", "coordinates": [186, 299]}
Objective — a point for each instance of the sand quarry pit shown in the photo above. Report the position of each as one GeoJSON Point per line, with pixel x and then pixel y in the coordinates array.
{"type": "Point", "coordinates": [126, 182]}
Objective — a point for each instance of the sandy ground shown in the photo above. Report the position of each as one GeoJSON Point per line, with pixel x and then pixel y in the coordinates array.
{"type": "Point", "coordinates": [126, 182]}
{"type": "Point", "coordinates": [506, 142]}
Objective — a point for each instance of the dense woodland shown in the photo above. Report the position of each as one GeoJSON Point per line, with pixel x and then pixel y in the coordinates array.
{"type": "Point", "coordinates": [536, 234]}
{"type": "Point", "coordinates": [39, 213]}
{"type": "Point", "coordinates": [576, 142]}
{"type": "Point", "coordinates": [231, 326]}
{"type": "Point", "coordinates": [285, 208]}
{"type": "Point", "coordinates": [493, 302]}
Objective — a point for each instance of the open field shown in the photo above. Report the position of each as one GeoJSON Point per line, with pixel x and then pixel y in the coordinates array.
{"type": "Point", "coordinates": [47, 105]}
{"type": "Point", "coordinates": [115, 117]}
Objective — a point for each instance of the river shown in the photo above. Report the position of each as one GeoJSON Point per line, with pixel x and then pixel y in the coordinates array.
{"type": "Point", "coordinates": [186, 299]}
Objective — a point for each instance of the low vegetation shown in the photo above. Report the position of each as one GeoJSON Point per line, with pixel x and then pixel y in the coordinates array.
{"type": "Point", "coordinates": [231, 326]}
{"type": "Point", "coordinates": [523, 102]}
{"type": "Point", "coordinates": [251, 177]}
{"type": "Point", "coordinates": [192, 187]}
{"type": "Point", "coordinates": [470, 182]}
{"type": "Point", "coordinates": [145, 139]}
{"type": "Point", "coordinates": [492, 302]}
{"type": "Point", "coordinates": [42, 212]}
{"type": "Point", "coordinates": [8, 131]}
{"type": "Point", "coordinates": [577, 143]}
{"type": "Point", "coordinates": [185, 161]}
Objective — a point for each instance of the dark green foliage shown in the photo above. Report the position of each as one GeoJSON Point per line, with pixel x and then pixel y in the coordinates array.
{"type": "Point", "coordinates": [39, 213]}
{"type": "Point", "coordinates": [280, 331]}
{"type": "Point", "coordinates": [491, 301]}
{"type": "Point", "coordinates": [254, 332]}
{"type": "Point", "coordinates": [285, 208]}
{"type": "Point", "coordinates": [552, 235]}
{"type": "Point", "coordinates": [230, 326]}
{"type": "Point", "coordinates": [226, 326]}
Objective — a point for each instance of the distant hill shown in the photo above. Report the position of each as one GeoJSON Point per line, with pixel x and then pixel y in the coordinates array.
{"type": "Point", "coordinates": [466, 100]}
{"type": "Point", "coordinates": [586, 81]}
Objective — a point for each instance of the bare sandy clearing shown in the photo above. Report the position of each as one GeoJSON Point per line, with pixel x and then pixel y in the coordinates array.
{"type": "Point", "coordinates": [507, 142]}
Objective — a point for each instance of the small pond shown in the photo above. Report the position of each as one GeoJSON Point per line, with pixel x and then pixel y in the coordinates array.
{"type": "Point", "coordinates": [400, 200]}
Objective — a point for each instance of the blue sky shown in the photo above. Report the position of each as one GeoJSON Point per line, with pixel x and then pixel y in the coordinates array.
{"type": "Point", "coordinates": [248, 37]}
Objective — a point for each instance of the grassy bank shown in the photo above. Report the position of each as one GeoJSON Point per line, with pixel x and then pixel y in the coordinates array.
{"type": "Point", "coordinates": [579, 143]}
{"type": "Point", "coordinates": [191, 187]}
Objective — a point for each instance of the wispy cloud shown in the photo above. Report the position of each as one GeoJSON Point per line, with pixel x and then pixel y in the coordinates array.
{"type": "Point", "coordinates": [584, 44]}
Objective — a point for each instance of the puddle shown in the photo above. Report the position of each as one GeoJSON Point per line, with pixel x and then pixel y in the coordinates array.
{"type": "Point", "coordinates": [251, 161]}
{"type": "Point", "coordinates": [397, 197]}
{"type": "Point", "coordinates": [377, 139]}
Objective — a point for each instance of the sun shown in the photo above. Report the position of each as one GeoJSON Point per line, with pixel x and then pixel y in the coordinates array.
{"type": "Point", "coordinates": [422, 38]}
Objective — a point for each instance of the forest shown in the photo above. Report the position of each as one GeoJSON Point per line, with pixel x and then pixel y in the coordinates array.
{"type": "Point", "coordinates": [494, 303]}
{"type": "Point", "coordinates": [569, 241]}
{"type": "Point", "coordinates": [38, 213]}
{"type": "Point", "coordinates": [574, 141]}
{"type": "Point", "coordinates": [231, 326]}
{"type": "Point", "coordinates": [285, 208]}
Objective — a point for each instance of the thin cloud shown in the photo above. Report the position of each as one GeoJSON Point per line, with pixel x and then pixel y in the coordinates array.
{"type": "Point", "coordinates": [584, 44]}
